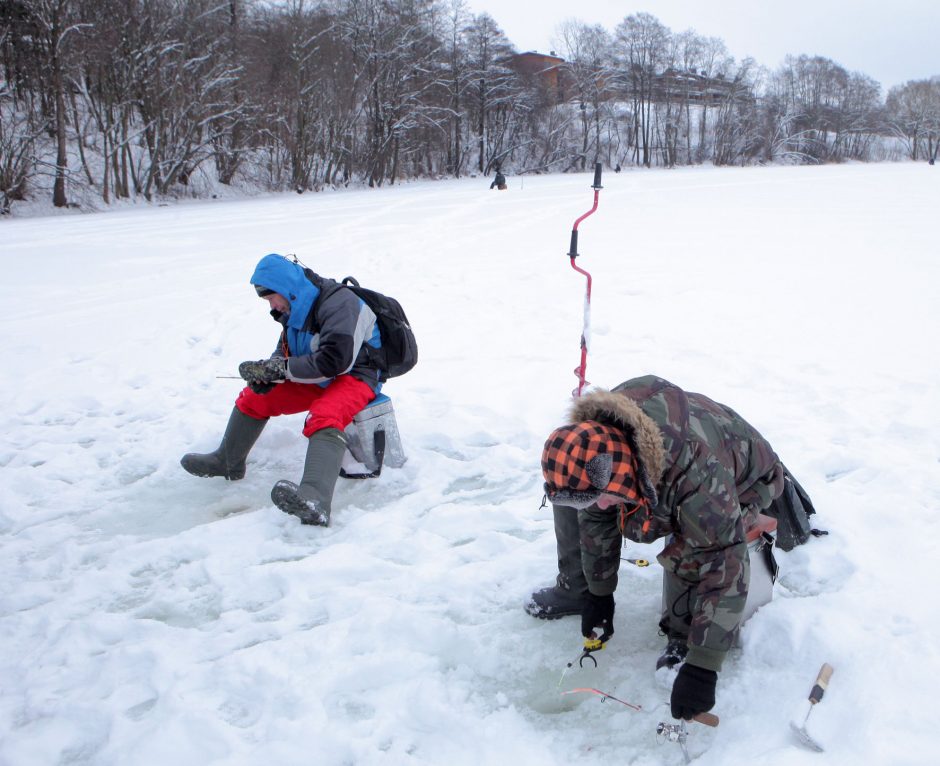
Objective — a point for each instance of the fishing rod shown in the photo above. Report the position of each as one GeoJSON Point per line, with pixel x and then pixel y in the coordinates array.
{"type": "Point", "coordinates": [604, 696]}
{"type": "Point", "coordinates": [580, 370]}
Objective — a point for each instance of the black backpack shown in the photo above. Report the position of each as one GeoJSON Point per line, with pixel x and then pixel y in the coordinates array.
{"type": "Point", "coordinates": [399, 351]}
{"type": "Point", "coordinates": [792, 510]}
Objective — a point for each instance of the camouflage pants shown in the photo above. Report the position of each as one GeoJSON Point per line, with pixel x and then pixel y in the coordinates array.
{"type": "Point", "coordinates": [677, 606]}
{"type": "Point", "coordinates": [685, 604]}
{"type": "Point", "coordinates": [679, 598]}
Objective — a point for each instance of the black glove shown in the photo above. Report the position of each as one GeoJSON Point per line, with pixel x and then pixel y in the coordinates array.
{"type": "Point", "coordinates": [693, 691]}
{"type": "Point", "coordinates": [264, 371]}
{"type": "Point", "coordinates": [597, 612]}
{"type": "Point", "coordinates": [261, 388]}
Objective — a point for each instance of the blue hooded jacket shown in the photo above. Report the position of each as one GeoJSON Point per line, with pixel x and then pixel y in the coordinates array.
{"type": "Point", "coordinates": [337, 344]}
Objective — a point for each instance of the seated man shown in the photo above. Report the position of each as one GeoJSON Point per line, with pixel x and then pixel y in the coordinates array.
{"type": "Point", "coordinates": [326, 363]}
{"type": "Point", "coordinates": [645, 461]}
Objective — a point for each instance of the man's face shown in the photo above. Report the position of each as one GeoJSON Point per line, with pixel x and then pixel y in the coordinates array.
{"type": "Point", "coordinates": [278, 302]}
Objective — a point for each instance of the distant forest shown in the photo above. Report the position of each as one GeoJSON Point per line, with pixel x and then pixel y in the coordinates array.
{"type": "Point", "coordinates": [103, 100]}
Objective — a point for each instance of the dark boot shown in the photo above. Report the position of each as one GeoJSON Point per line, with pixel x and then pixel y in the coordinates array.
{"type": "Point", "coordinates": [558, 600]}
{"type": "Point", "coordinates": [676, 650]}
{"type": "Point", "coordinates": [312, 499]}
{"type": "Point", "coordinates": [228, 460]}
{"type": "Point", "coordinates": [566, 596]}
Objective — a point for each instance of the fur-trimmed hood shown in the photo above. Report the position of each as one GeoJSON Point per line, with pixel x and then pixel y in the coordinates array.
{"type": "Point", "coordinates": [618, 410]}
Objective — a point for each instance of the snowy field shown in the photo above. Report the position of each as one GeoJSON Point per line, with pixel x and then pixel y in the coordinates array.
{"type": "Point", "coordinates": [148, 617]}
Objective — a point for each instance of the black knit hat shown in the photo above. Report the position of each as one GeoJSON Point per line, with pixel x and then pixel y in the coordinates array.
{"type": "Point", "coordinates": [263, 291]}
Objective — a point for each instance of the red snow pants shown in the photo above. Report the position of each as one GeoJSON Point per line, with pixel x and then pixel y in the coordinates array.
{"type": "Point", "coordinates": [330, 407]}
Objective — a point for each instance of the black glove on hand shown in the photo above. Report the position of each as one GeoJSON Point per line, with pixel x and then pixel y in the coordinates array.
{"type": "Point", "coordinates": [597, 612]}
{"type": "Point", "coordinates": [261, 388]}
{"type": "Point", "coordinates": [693, 691]}
{"type": "Point", "coordinates": [264, 371]}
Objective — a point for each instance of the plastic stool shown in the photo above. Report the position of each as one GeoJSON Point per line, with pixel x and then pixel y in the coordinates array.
{"type": "Point", "coordinates": [372, 440]}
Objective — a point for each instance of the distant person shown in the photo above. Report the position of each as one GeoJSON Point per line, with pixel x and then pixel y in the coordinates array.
{"type": "Point", "coordinates": [645, 461]}
{"type": "Point", "coordinates": [324, 364]}
{"type": "Point", "coordinates": [617, 169]}
{"type": "Point", "coordinates": [500, 181]}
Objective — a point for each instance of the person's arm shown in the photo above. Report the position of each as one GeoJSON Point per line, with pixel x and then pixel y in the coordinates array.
{"type": "Point", "coordinates": [345, 324]}
{"type": "Point", "coordinates": [768, 486]}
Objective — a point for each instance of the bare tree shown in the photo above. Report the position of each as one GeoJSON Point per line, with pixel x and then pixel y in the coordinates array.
{"type": "Point", "coordinates": [588, 74]}
{"type": "Point", "coordinates": [53, 25]}
{"type": "Point", "coordinates": [289, 56]}
{"type": "Point", "coordinates": [18, 135]}
{"type": "Point", "coordinates": [491, 89]}
{"type": "Point", "coordinates": [394, 57]}
{"type": "Point", "coordinates": [708, 62]}
{"type": "Point", "coordinates": [825, 106]}
{"type": "Point", "coordinates": [640, 49]}
{"type": "Point", "coordinates": [229, 129]}
{"type": "Point", "coordinates": [856, 117]}
{"type": "Point", "coordinates": [455, 74]}
{"type": "Point", "coordinates": [738, 134]}
{"type": "Point", "coordinates": [914, 115]}
{"type": "Point", "coordinates": [145, 96]}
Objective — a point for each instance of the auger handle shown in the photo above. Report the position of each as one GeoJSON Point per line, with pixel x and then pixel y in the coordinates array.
{"type": "Point", "coordinates": [822, 683]}
{"type": "Point", "coordinates": [596, 186]}
{"type": "Point", "coordinates": [709, 719]}
{"type": "Point", "coordinates": [573, 247]}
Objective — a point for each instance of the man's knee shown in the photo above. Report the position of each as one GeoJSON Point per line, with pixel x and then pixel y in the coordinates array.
{"type": "Point", "coordinates": [251, 404]}
{"type": "Point", "coordinates": [283, 399]}
{"type": "Point", "coordinates": [320, 420]}
{"type": "Point", "coordinates": [341, 401]}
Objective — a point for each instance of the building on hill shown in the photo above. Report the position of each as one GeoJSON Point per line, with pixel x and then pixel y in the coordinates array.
{"type": "Point", "coordinates": [554, 73]}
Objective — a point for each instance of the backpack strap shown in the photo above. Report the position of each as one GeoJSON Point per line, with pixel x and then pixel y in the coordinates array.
{"type": "Point", "coordinates": [373, 357]}
{"type": "Point", "coordinates": [326, 288]}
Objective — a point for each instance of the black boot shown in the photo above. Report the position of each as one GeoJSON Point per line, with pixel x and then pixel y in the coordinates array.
{"type": "Point", "coordinates": [566, 596]}
{"type": "Point", "coordinates": [558, 600]}
{"type": "Point", "coordinates": [676, 650]}
{"type": "Point", "coordinates": [312, 499]}
{"type": "Point", "coordinates": [228, 460]}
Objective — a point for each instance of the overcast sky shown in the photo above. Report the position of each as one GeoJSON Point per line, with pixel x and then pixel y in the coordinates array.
{"type": "Point", "coordinates": [892, 41]}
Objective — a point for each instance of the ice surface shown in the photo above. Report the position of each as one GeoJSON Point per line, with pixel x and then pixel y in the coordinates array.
{"type": "Point", "coordinates": [150, 617]}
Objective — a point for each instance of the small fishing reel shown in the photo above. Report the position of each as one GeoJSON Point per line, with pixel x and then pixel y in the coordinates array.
{"type": "Point", "coordinates": [674, 732]}
{"type": "Point", "coordinates": [671, 732]}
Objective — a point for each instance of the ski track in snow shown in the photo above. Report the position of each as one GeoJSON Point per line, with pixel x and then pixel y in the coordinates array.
{"type": "Point", "coordinates": [148, 616]}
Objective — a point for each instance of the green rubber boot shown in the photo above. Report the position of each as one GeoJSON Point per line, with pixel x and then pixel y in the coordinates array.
{"type": "Point", "coordinates": [312, 499]}
{"type": "Point", "coordinates": [228, 461]}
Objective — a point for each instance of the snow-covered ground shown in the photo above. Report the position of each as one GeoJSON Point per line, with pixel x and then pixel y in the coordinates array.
{"type": "Point", "coordinates": [151, 617]}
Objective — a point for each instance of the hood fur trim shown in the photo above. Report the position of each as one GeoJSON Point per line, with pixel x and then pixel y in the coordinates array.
{"type": "Point", "coordinates": [623, 412]}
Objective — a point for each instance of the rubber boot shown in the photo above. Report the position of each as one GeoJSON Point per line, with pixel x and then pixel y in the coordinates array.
{"type": "Point", "coordinates": [228, 460]}
{"type": "Point", "coordinates": [566, 596]}
{"type": "Point", "coordinates": [311, 500]}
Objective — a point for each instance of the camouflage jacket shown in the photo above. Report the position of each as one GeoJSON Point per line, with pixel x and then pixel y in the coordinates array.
{"type": "Point", "coordinates": [713, 473]}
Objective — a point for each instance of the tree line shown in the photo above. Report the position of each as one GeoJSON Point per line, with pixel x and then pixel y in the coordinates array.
{"type": "Point", "coordinates": [141, 98]}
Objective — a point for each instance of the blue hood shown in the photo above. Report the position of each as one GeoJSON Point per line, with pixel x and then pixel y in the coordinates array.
{"type": "Point", "coordinates": [277, 273]}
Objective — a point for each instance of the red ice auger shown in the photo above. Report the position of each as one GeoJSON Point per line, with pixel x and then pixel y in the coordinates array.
{"type": "Point", "coordinates": [572, 254]}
